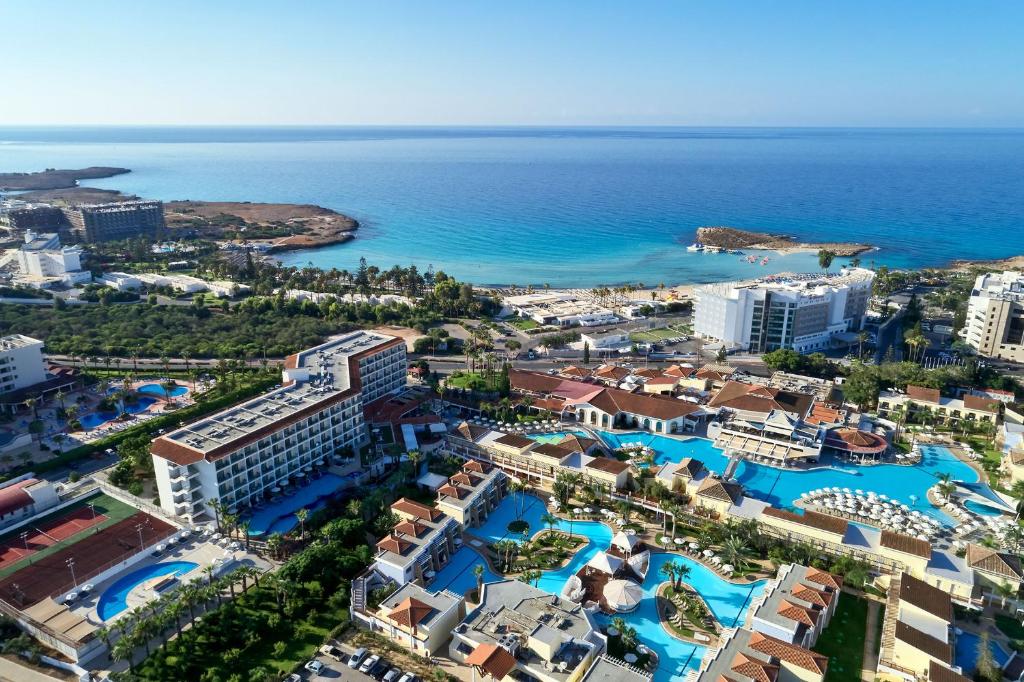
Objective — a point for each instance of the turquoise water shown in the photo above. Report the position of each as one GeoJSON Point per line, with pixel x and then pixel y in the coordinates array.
{"type": "Point", "coordinates": [981, 509]}
{"type": "Point", "coordinates": [727, 601]}
{"type": "Point", "coordinates": [113, 599]}
{"type": "Point", "coordinates": [158, 390]}
{"type": "Point", "coordinates": [966, 654]}
{"type": "Point", "coordinates": [94, 419]}
{"type": "Point", "coordinates": [279, 517]}
{"type": "Point", "coordinates": [781, 487]}
{"type": "Point", "coordinates": [516, 204]}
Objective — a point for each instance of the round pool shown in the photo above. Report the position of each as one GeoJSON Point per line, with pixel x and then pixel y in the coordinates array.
{"type": "Point", "coordinates": [158, 390]}
{"type": "Point", "coordinates": [114, 599]}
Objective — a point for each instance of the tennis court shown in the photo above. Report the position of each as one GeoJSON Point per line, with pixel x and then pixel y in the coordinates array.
{"type": "Point", "coordinates": [49, 573]}
{"type": "Point", "coordinates": [51, 532]}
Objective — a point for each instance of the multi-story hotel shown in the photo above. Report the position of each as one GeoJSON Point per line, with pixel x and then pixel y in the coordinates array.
{"type": "Point", "coordinates": [118, 220]}
{"type": "Point", "coordinates": [248, 452]}
{"type": "Point", "coordinates": [995, 316]}
{"type": "Point", "coordinates": [802, 312]}
{"type": "Point", "coordinates": [21, 362]}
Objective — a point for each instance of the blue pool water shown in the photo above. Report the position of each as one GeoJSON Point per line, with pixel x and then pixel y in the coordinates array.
{"type": "Point", "coordinates": [727, 601]}
{"type": "Point", "coordinates": [981, 509]}
{"type": "Point", "coordinates": [781, 487]}
{"type": "Point", "coordinates": [279, 517]}
{"type": "Point", "coordinates": [113, 600]}
{"type": "Point", "coordinates": [966, 654]}
{"type": "Point", "coordinates": [158, 390]}
{"type": "Point", "coordinates": [94, 419]}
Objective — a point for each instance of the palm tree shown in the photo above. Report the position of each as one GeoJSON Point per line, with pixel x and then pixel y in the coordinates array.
{"type": "Point", "coordinates": [274, 543]}
{"type": "Point", "coordinates": [734, 551]}
{"type": "Point", "coordinates": [530, 577]}
{"type": "Point", "coordinates": [549, 520]}
{"type": "Point", "coordinates": [478, 571]}
{"type": "Point", "coordinates": [668, 569]}
{"type": "Point", "coordinates": [302, 515]}
{"type": "Point", "coordinates": [825, 258]}
{"type": "Point", "coordinates": [1005, 591]}
{"type": "Point", "coordinates": [682, 573]}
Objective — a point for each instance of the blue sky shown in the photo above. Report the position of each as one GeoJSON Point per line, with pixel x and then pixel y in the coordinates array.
{"type": "Point", "coordinates": [478, 62]}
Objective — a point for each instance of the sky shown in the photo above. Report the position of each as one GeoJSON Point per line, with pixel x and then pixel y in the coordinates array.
{"type": "Point", "coordinates": [482, 62]}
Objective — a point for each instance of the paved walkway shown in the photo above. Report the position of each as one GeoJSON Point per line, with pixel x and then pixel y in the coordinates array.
{"type": "Point", "coordinates": [12, 672]}
{"type": "Point", "coordinates": [871, 642]}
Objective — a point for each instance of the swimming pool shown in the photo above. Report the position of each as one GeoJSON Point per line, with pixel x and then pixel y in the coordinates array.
{"type": "Point", "coordinates": [158, 390]}
{"type": "Point", "coordinates": [556, 437]}
{"type": "Point", "coordinates": [95, 419]}
{"type": "Point", "coordinates": [114, 599]}
{"type": "Point", "coordinates": [279, 516]}
{"type": "Point", "coordinates": [781, 487]}
{"type": "Point", "coordinates": [727, 601]}
{"type": "Point", "coordinates": [981, 509]}
{"type": "Point", "coordinates": [966, 653]}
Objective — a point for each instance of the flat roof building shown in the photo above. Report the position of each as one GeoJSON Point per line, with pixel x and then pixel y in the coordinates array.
{"type": "Point", "coordinates": [117, 220]}
{"type": "Point", "coordinates": [995, 316]}
{"type": "Point", "coordinates": [248, 452]}
{"type": "Point", "coordinates": [21, 362]}
{"type": "Point", "coordinates": [805, 312]}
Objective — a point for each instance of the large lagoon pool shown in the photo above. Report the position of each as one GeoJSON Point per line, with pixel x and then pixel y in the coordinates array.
{"type": "Point", "coordinates": [114, 599]}
{"type": "Point", "coordinates": [781, 487]}
{"type": "Point", "coordinates": [727, 601]}
{"type": "Point", "coordinates": [279, 516]}
{"type": "Point", "coordinates": [95, 419]}
{"type": "Point", "coordinates": [158, 390]}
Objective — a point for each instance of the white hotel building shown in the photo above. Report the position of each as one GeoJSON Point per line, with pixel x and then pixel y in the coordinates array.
{"type": "Point", "coordinates": [21, 362]}
{"type": "Point", "coordinates": [804, 312]}
{"type": "Point", "coordinates": [249, 452]}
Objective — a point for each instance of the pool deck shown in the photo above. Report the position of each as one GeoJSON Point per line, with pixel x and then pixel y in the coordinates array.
{"type": "Point", "coordinates": [196, 550]}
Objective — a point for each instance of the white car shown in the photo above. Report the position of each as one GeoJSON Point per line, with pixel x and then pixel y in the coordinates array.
{"type": "Point", "coordinates": [357, 657]}
{"type": "Point", "coordinates": [369, 663]}
{"type": "Point", "coordinates": [315, 666]}
{"type": "Point", "coordinates": [408, 677]}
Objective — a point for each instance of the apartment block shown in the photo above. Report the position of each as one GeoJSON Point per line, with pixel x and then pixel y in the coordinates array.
{"type": "Point", "coordinates": [117, 220]}
{"type": "Point", "coordinates": [21, 362]}
{"type": "Point", "coordinates": [995, 316]}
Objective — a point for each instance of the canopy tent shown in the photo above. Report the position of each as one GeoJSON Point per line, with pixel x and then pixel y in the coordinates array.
{"type": "Point", "coordinates": [623, 595]}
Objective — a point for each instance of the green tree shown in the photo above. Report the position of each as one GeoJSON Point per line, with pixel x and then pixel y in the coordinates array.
{"type": "Point", "coordinates": [586, 354]}
{"type": "Point", "coordinates": [825, 258]}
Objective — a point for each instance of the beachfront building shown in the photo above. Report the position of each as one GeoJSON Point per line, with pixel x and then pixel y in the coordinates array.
{"type": "Point", "coordinates": [559, 308]}
{"type": "Point", "coordinates": [470, 495]}
{"type": "Point", "coordinates": [247, 453]}
{"type": "Point", "coordinates": [117, 220]}
{"type": "Point", "coordinates": [808, 312]}
{"type": "Point", "coordinates": [796, 605]}
{"type": "Point", "coordinates": [928, 404]}
{"type": "Point", "coordinates": [745, 655]}
{"type": "Point", "coordinates": [522, 632]}
{"type": "Point", "coordinates": [995, 316]}
{"type": "Point", "coordinates": [21, 362]}
{"type": "Point", "coordinates": [917, 631]}
{"type": "Point", "coordinates": [416, 619]}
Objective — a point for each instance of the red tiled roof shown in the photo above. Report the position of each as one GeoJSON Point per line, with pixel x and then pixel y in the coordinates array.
{"type": "Point", "coordinates": [14, 497]}
{"type": "Point", "coordinates": [413, 528]}
{"type": "Point", "coordinates": [515, 441]}
{"type": "Point", "coordinates": [613, 401]}
{"type": "Point", "coordinates": [790, 653]}
{"type": "Point", "coordinates": [829, 524]}
{"type": "Point", "coordinates": [410, 612]}
{"type": "Point", "coordinates": [820, 577]}
{"type": "Point", "coordinates": [393, 544]}
{"type": "Point", "coordinates": [551, 450]}
{"type": "Point", "coordinates": [812, 596]}
{"type": "Point", "coordinates": [492, 659]}
{"type": "Point", "coordinates": [924, 394]}
{"type": "Point", "coordinates": [717, 489]}
{"type": "Point", "coordinates": [906, 544]}
{"type": "Point", "coordinates": [759, 671]}
{"type": "Point", "coordinates": [679, 371]}
{"type": "Point", "coordinates": [991, 561]}
{"type": "Point", "coordinates": [820, 414]}
{"type": "Point", "coordinates": [926, 597]}
{"type": "Point", "coordinates": [475, 466]}
{"type": "Point", "coordinates": [574, 371]}
{"type": "Point", "coordinates": [940, 673]}
{"type": "Point", "coordinates": [801, 614]}
{"type": "Point", "coordinates": [922, 641]}
{"type": "Point", "coordinates": [855, 440]}
{"type": "Point", "coordinates": [737, 395]}
{"type": "Point", "coordinates": [415, 509]}
{"type": "Point", "coordinates": [977, 402]}
{"type": "Point", "coordinates": [607, 464]}
{"type": "Point", "coordinates": [452, 491]}
{"type": "Point", "coordinates": [613, 372]}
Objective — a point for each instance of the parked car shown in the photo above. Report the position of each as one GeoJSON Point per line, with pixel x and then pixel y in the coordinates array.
{"type": "Point", "coordinates": [294, 677]}
{"type": "Point", "coordinates": [392, 675]}
{"type": "Point", "coordinates": [379, 670]}
{"type": "Point", "coordinates": [332, 652]}
{"type": "Point", "coordinates": [408, 677]}
{"type": "Point", "coordinates": [365, 666]}
{"type": "Point", "coordinates": [357, 657]}
{"type": "Point", "coordinates": [314, 666]}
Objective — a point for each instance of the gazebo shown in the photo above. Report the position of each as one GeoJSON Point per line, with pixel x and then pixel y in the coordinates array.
{"type": "Point", "coordinates": [855, 442]}
{"type": "Point", "coordinates": [626, 543]}
{"type": "Point", "coordinates": [605, 563]}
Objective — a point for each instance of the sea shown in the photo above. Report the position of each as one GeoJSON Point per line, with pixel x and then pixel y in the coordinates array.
{"type": "Point", "coordinates": [581, 207]}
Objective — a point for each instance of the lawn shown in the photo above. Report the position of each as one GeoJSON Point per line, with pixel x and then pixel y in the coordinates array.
{"type": "Point", "coordinates": [473, 381]}
{"type": "Point", "coordinates": [523, 324]}
{"type": "Point", "coordinates": [843, 640]}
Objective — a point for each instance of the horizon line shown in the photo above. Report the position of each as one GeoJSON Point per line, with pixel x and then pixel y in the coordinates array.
{"type": "Point", "coordinates": [523, 126]}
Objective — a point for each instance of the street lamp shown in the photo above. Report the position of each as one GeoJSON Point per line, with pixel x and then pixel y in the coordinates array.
{"type": "Point", "coordinates": [93, 508]}
{"type": "Point", "coordinates": [139, 528]}
{"type": "Point", "coordinates": [71, 565]}
{"type": "Point", "coordinates": [24, 538]}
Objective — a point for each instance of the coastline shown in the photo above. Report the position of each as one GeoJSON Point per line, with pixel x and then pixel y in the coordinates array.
{"type": "Point", "coordinates": [734, 238]}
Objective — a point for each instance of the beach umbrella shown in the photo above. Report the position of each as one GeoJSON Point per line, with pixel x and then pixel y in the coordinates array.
{"type": "Point", "coordinates": [678, 541]}
{"type": "Point", "coordinates": [728, 568]}
{"type": "Point", "coordinates": [708, 553]}
{"type": "Point", "coordinates": [694, 545]}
